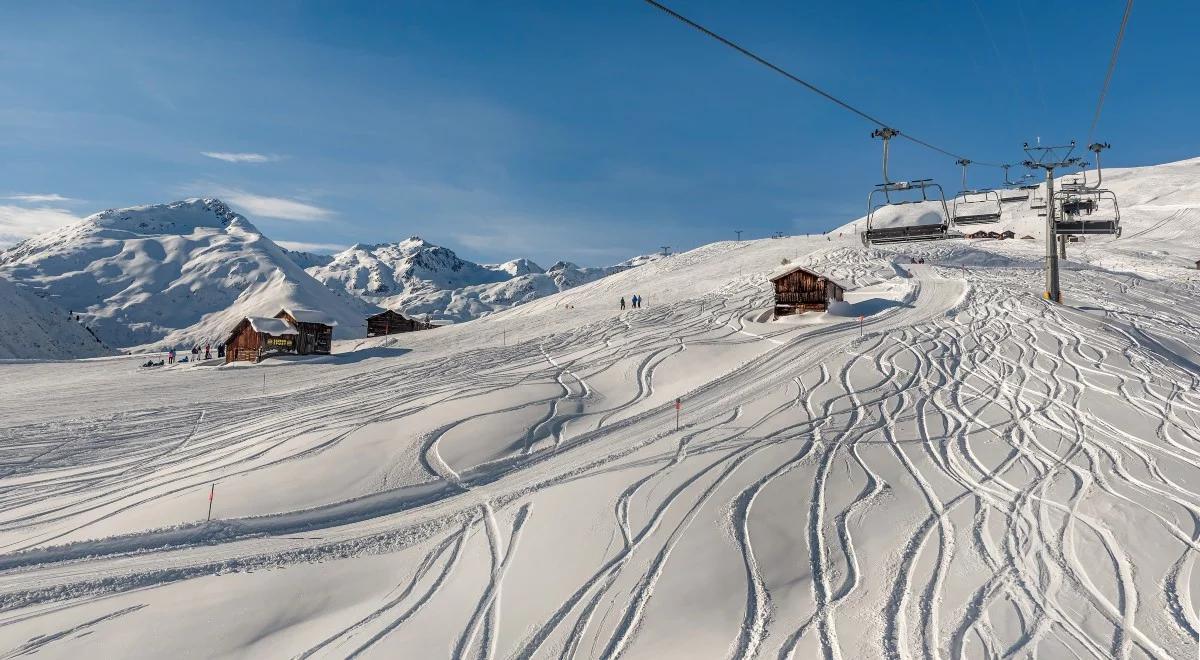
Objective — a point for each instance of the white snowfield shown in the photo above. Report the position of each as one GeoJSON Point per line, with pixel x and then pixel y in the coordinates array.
{"type": "Point", "coordinates": [948, 466]}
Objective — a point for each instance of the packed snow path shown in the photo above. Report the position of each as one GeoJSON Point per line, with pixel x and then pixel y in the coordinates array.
{"type": "Point", "coordinates": [980, 474]}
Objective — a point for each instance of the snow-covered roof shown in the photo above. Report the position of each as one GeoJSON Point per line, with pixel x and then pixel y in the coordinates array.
{"type": "Point", "coordinates": [269, 326]}
{"type": "Point", "coordinates": [791, 268]}
{"type": "Point", "coordinates": [310, 316]}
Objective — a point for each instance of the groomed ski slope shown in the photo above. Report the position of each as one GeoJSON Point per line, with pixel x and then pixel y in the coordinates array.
{"type": "Point", "coordinates": [977, 474]}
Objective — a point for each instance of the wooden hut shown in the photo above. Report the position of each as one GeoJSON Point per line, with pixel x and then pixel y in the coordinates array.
{"type": "Point", "coordinates": [799, 289]}
{"type": "Point", "coordinates": [1007, 234]}
{"type": "Point", "coordinates": [256, 337]}
{"type": "Point", "coordinates": [388, 322]}
{"type": "Point", "coordinates": [978, 234]}
{"type": "Point", "coordinates": [314, 330]}
{"type": "Point", "coordinates": [1198, 264]}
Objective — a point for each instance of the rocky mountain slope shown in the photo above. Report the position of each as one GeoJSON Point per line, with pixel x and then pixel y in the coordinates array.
{"type": "Point", "coordinates": [417, 277]}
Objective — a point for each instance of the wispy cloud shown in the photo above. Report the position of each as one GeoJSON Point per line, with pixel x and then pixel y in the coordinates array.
{"type": "Point", "coordinates": [18, 223]}
{"type": "Point", "coordinates": [240, 157]}
{"type": "Point", "coordinates": [264, 206]}
{"type": "Point", "coordinates": [301, 246]}
{"type": "Point", "coordinates": [38, 198]}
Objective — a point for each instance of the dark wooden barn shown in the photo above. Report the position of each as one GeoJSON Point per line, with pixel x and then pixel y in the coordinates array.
{"type": "Point", "coordinates": [1008, 234]}
{"type": "Point", "coordinates": [314, 330]}
{"type": "Point", "coordinates": [799, 290]}
{"type": "Point", "coordinates": [388, 322]}
{"type": "Point", "coordinates": [256, 337]}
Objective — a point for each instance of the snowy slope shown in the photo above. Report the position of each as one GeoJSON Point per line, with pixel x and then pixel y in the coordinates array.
{"type": "Point", "coordinates": [419, 278]}
{"type": "Point", "coordinates": [952, 467]}
{"type": "Point", "coordinates": [170, 274]}
{"type": "Point", "coordinates": [33, 328]}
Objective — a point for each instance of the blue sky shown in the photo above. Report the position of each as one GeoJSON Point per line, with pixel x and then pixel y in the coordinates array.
{"type": "Point", "coordinates": [588, 131]}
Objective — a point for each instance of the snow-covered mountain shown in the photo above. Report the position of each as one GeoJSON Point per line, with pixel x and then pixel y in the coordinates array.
{"type": "Point", "coordinates": [173, 273]}
{"type": "Point", "coordinates": [415, 276]}
{"type": "Point", "coordinates": [31, 327]}
{"type": "Point", "coordinates": [308, 259]}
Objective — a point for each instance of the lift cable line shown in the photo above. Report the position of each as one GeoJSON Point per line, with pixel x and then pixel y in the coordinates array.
{"type": "Point", "coordinates": [1112, 65]}
{"type": "Point", "coordinates": [794, 78]}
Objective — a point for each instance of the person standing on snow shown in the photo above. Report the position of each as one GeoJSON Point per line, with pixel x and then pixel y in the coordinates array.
{"type": "Point", "coordinates": [622, 302]}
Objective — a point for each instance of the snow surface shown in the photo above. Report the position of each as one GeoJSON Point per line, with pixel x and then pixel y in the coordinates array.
{"type": "Point", "coordinates": [31, 327]}
{"type": "Point", "coordinates": [271, 326]}
{"type": "Point", "coordinates": [948, 466]}
{"type": "Point", "coordinates": [183, 273]}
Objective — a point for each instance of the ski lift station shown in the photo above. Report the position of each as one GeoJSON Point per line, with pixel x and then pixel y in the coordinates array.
{"type": "Point", "coordinates": [295, 331]}
{"type": "Point", "coordinates": [799, 290]}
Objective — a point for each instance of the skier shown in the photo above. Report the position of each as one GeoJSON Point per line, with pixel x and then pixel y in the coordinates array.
{"type": "Point", "coordinates": [208, 351]}
{"type": "Point", "coordinates": [622, 302]}
{"type": "Point", "coordinates": [220, 350]}
{"type": "Point", "coordinates": [171, 356]}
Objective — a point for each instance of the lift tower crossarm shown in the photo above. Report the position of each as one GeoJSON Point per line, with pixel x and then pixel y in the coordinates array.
{"type": "Point", "coordinates": [1049, 160]}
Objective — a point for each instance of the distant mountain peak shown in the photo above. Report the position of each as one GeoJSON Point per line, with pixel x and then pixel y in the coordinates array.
{"type": "Point", "coordinates": [171, 218]}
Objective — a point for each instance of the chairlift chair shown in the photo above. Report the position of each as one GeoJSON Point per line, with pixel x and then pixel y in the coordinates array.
{"type": "Point", "coordinates": [1088, 213]}
{"type": "Point", "coordinates": [1088, 210]}
{"type": "Point", "coordinates": [1013, 191]}
{"type": "Point", "coordinates": [910, 212]}
{"type": "Point", "coordinates": [975, 207]}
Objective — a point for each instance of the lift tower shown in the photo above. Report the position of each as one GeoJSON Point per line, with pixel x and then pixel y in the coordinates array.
{"type": "Point", "coordinates": [1050, 159]}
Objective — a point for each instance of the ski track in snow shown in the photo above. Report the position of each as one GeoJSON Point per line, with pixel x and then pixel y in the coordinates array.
{"type": "Point", "coordinates": [958, 482]}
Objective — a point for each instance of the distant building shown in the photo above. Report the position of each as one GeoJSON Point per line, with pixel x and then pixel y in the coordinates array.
{"type": "Point", "coordinates": [1008, 233]}
{"type": "Point", "coordinates": [799, 290]}
{"type": "Point", "coordinates": [388, 322]}
{"type": "Point", "coordinates": [297, 331]}
{"type": "Point", "coordinates": [1027, 237]}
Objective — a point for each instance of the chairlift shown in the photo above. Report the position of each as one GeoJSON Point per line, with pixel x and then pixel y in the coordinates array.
{"type": "Point", "coordinates": [1088, 210]}
{"type": "Point", "coordinates": [975, 207]}
{"type": "Point", "coordinates": [1088, 213]}
{"type": "Point", "coordinates": [909, 219]}
{"type": "Point", "coordinates": [1038, 199]}
{"type": "Point", "coordinates": [1013, 191]}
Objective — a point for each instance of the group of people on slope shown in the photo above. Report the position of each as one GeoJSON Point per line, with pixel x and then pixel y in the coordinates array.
{"type": "Point", "coordinates": [635, 302]}
{"type": "Point", "coordinates": [173, 358]}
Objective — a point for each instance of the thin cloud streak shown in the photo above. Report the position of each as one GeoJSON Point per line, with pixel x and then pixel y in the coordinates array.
{"type": "Point", "coordinates": [240, 157]}
{"type": "Point", "coordinates": [280, 208]}
{"type": "Point", "coordinates": [38, 198]}
{"type": "Point", "coordinates": [18, 223]}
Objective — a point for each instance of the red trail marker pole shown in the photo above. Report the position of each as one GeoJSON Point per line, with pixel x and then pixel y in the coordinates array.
{"type": "Point", "coordinates": [212, 491]}
{"type": "Point", "coordinates": [678, 407]}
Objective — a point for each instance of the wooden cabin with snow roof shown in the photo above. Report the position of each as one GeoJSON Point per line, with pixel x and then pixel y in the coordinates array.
{"type": "Point", "coordinates": [256, 337]}
{"type": "Point", "coordinates": [388, 322]}
{"type": "Point", "coordinates": [798, 290]}
{"type": "Point", "coordinates": [314, 330]}
{"type": "Point", "coordinates": [296, 331]}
